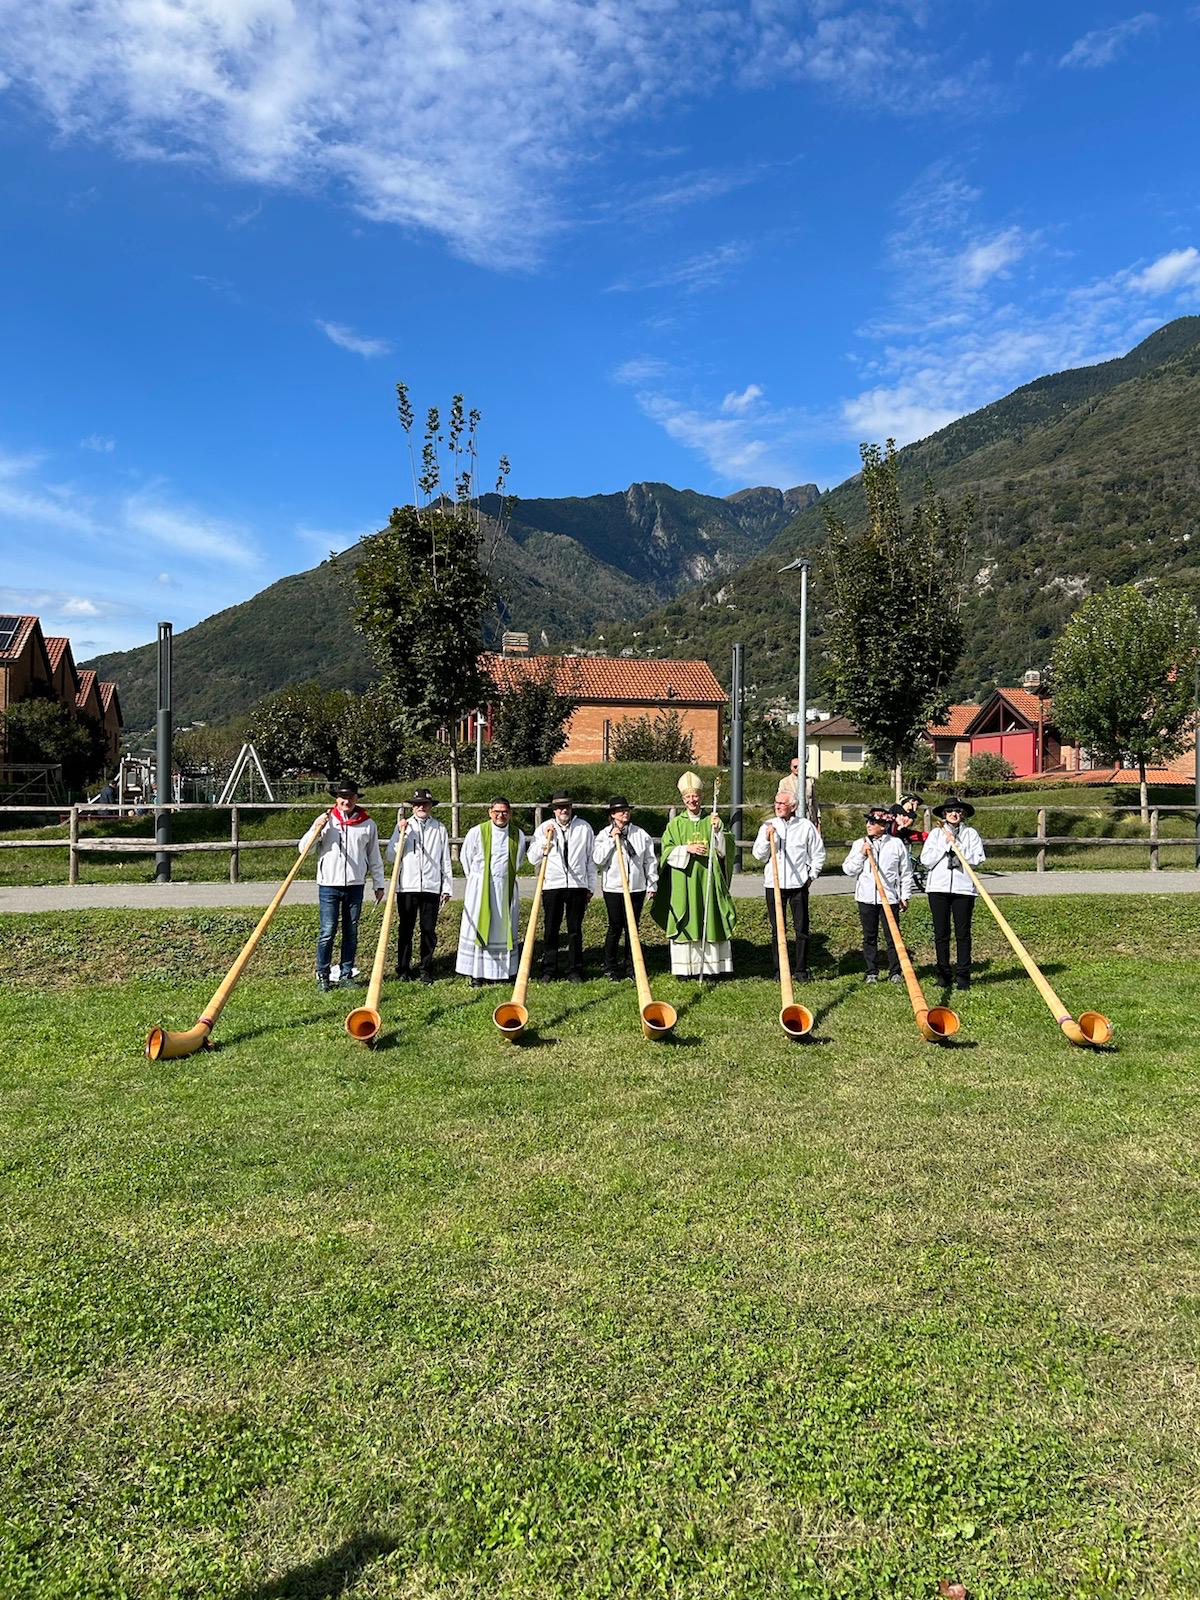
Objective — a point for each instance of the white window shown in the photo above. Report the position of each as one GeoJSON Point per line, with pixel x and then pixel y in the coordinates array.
{"type": "Point", "coordinates": [852, 755]}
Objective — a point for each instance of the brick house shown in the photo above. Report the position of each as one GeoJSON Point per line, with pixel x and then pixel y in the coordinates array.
{"type": "Point", "coordinates": [614, 690]}
{"type": "Point", "coordinates": [1013, 723]}
{"type": "Point", "coordinates": [35, 667]}
{"type": "Point", "coordinates": [949, 742]}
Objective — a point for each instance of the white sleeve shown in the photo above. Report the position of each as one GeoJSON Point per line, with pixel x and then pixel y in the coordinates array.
{"type": "Point", "coordinates": [589, 864]}
{"type": "Point", "coordinates": [855, 860]}
{"type": "Point", "coordinates": [717, 842]}
{"type": "Point", "coordinates": [679, 858]}
{"type": "Point", "coordinates": [816, 851]}
{"type": "Point", "coordinates": [445, 863]}
{"type": "Point", "coordinates": [934, 848]}
{"type": "Point", "coordinates": [537, 846]}
{"type": "Point", "coordinates": [650, 864]}
{"type": "Point", "coordinates": [523, 848]}
{"type": "Point", "coordinates": [374, 859]}
{"type": "Point", "coordinates": [314, 832]}
{"type": "Point", "coordinates": [471, 854]}
{"type": "Point", "coordinates": [605, 846]}
{"type": "Point", "coordinates": [906, 873]}
{"type": "Point", "coordinates": [761, 848]}
{"type": "Point", "coordinates": [974, 850]}
{"type": "Point", "coordinates": [390, 852]}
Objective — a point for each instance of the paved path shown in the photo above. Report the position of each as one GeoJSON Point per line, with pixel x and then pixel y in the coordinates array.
{"type": "Point", "coordinates": [173, 896]}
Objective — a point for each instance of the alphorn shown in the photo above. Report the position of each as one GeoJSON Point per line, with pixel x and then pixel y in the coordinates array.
{"type": "Point", "coordinates": [935, 1022]}
{"type": "Point", "coordinates": [164, 1046]}
{"type": "Point", "coordinates": [364, 1021]}
{"type": "Point", "coordinates": [510, 1016]}
{"type": "Point", "coordinates": [658, 1018]}
{"type": "Point", "coordinates": [708, 880]}
{"type": "Point", "coordinates": [795, 1020]}
{"type": "Point", "coordinates": [1092, 1027]}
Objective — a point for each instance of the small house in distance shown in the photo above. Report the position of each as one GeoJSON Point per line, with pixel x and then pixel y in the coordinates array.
{"type": "Point", "coordinates": [833, 744]}
{"type": "Point", "coordinates": [611, 691]}
{"type": "Point", "coordinates": [1016, 724]}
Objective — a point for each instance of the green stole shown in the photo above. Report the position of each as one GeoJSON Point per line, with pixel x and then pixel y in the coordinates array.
{"type": "Point", "coordinates": [484, 920]}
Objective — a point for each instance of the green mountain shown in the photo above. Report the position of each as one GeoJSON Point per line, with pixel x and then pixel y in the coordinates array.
{"type": "Point", "coordinates": [563, 567]}
{"type": "Point", "coordinates": [1083, 478]}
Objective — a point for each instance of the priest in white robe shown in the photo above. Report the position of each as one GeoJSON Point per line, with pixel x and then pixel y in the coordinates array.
{"type": "Point", "coordinates": [492, 852]}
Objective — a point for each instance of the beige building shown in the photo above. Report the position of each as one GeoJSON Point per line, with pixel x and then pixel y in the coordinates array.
{"type": "Point", "coordinates": [833, 745]}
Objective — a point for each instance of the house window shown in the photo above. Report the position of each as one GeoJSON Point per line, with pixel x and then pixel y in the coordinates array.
{"type": "Point", "coordinates": [852, 755]}
{"type": "Point", "coordinates": [945, 764]}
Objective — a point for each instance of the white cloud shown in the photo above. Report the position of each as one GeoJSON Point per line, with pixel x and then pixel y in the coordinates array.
{"type": "Point", "coordinates": [1178, 269]}
{"type": "Point", "coordinates": [147, 516]}
{"type": "Point", "coordinates": [702, 271]}
{"type": "Point", "coordinates": [346, 338]}
{"type": "Point", "coordinates": [324, 541]}
{"type": "Point", "coordinates": [640, 369]}
{"type": "Point", "coordinates": [102, 443]}
{"type": "Point", "coordinates": [465, 118]}
{"type": "Point", "coordinates": [741, 450]}
{"type": "Point", "coordinates": [1102, 46]}
{"type": "Point", "coordinates": [79, 606]}
{"type": "Point", "coordinates": [736, 405]}
{"type": "Point", "coordinates": [986, 258]}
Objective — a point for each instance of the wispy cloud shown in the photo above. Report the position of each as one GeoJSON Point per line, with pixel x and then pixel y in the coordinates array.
{"type": "Point", "coordinates": [357, 343]}
{"type": "Point", "coordinates": [742, 441]}
{"type": "Point", "coordinates": [1102, 46]}
{"type": "Point", "coordinates": [1178, 269]}
{"type": "Point", "coordinates": [736, 405]}
{"type": "Point", "coordinates": [641, 369]}
{"type": "Point", "coordinates": [702, 271]}
{"type": "Point", "coordinates": [152, 518]}
{"type": "Point", "coordinates": [330, 541]}
{"type": "Point", "coordinates": [102, 443]}
{"type": "Point", "coordinates": [364, 99]}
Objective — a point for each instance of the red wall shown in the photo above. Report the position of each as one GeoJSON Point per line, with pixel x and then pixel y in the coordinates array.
{"type": "Point", "coordinates": [1018, 749]}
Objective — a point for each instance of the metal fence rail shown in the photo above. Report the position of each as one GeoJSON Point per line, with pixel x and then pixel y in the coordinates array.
{"type": "Point", "coordinates": [78, 845]}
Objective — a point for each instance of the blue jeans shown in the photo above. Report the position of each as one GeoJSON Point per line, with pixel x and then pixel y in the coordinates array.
{"type": "Point", "coordinates": [335, 903]}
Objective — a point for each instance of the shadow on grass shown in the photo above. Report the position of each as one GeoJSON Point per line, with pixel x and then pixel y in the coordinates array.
{"type": "Point", "coordinates": [267, 1029]}
{"type": "Point", "coordinates": [331, 1575]}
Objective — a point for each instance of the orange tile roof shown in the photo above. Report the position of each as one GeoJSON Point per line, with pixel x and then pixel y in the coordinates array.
{"type": "Point", "coordinates": [955, 725]}
{"type": "Point", "coordinates": [107, 695]}
{"type": "Point", "coordinates": [1106, 775]}
{"type": "Point", "coordinates": [87, 682]}
{"type": "Point", "coordinates": [1025, 703]}
{"type": "Point", "coordinates": [21, 637]}
{"type": "Point", "coordinates": [56, 645]}
{"type": "Point", "coordinates": [611, 679]}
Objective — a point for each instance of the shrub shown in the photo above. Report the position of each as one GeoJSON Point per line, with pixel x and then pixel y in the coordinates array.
{"type": "Point", "coordinates": [660, 739]}
{"type": "Point", "coordinates": [989, 768]}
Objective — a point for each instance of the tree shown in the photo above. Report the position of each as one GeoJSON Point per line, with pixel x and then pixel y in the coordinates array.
{"type": "Point", "coordinates": [1124, 674]}
{"type": "Point", "coordinates": [529, 721]}
{"type": "Point", "coordinates": [662, 739]}
{"type": "Point", "coordinates": [371, 740]}
{"type": "Point", "coordinates": [298, 727]}
{"type": "Point", "coordinates": [988, 768]}
{"type": "Point", "coordinates": [45, 731]}
{"type": "Point", "coordinates": [893, 633]}
{"type": "Point", "coordinates": [423, 588]}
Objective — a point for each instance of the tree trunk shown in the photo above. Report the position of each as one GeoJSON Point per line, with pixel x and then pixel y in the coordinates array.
{"type": "Point", "coordinates": [454, 811]}
{"type": "Point", "coordinates": [1143, 795]}
{"type": "Point", "coordinates": [898, 779]}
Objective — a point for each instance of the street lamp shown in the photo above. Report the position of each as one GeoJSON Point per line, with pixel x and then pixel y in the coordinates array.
{"type": "Point", "coordinates": [801, 565]}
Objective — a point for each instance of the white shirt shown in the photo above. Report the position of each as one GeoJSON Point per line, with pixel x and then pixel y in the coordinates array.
{"type": "Point", "coordinates": [424, 858]}
{"type": "Point", "coordinates": [346, 852]}
{"type": "Point", "coordinates": [641, 860]}
{"type": "Point", "coordinates": [800, 849]}
{"type": "Point", "coordinates": [570, 865]}
{"type": "Point", "coordinates": [895, 868]}
{"type": "Point", "coordinates": [946, 872]}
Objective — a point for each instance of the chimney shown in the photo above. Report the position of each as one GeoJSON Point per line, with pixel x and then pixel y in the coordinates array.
{"type": "Point", "coordinates": [1033, 680]}
{"type": "Point", "coordinates": [514, 644]}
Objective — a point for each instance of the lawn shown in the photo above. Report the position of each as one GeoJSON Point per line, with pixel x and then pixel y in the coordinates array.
{"type": "Point", "coordinates": [1088, 814]}
{"type": "Point", "coordinates": [588, 1316]}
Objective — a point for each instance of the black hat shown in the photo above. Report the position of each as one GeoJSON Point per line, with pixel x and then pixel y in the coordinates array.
{"type": "Point", "coordinates": [953, 804]}
{"type": "Point", "coordinates": [345, 786]}
{"type": "Point", "coordinates": [618, 803]}
{"type": "Point", "coordinates": [560, 797]}
{"type": "Point", "coordinates": [879, 814]}
{"type": "Point", "coordinates": [422, 797]}
{"type": "Point", "coordinates": [911, 795]}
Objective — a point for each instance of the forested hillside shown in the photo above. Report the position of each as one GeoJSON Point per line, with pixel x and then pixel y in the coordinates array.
{"type": "Point", "coordinates": [1083, 479]}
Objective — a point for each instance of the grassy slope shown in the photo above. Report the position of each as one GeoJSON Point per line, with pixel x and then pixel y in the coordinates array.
{"type": "Point", "coordinates": [722, 1318]}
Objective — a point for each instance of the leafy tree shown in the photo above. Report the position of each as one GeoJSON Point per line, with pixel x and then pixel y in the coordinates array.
{"type": "Point", "coordinates": [660, 739]}
{"type": "Point", "coordinates": [298, 728]}
{"type": "Point", "coordinates": [529, 721]}
{"type": "Point", "coordinates": [424, 587]}
{"type": "Point", "coordinates": [988, 768]}
{"type": "Point", "coordinates": [45, 731]}
{"type": "Point", "coordinates": [893, 634]}
{"type": "Point", "coordinates": [211, 750]}
{"type": "Point", "coordinates": [769, 745]}
{"type": "Point", "coordinates": [1124, 673]}
{"type": "Point", "coordinates": [371, 739]}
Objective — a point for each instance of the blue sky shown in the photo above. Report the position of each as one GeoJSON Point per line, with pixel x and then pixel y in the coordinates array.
{"type": "Point", "coordinates": [711, 242]}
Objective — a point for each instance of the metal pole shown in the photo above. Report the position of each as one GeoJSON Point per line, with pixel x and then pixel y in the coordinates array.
{"type": "Point", "coordinates": [162, 818]}
{"type": "Point", "coordinates": [1196, 763]}
{"type": "Point", "coordinates": [478, 742]}
{"type": "Point", "coordinates": [735, 751]}
{"type": "Point", "coordinates": [801, 734]}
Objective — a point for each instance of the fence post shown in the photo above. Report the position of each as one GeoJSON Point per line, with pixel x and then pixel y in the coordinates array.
{"type": "Point", "coordinates": [1041, 835]}
{"type": "Point", "coordinates": [1154, 840]}
{"type": "Point", "coordinates": [235, 835]}
{"type": "Point", "coordinates": [73, 856]}
{"type": "Point", "coordinates": [537, 818]}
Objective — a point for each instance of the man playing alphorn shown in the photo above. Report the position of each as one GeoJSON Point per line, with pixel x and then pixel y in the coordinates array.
{"type": "Point", "coordinates": [425, 883]}
{"type": "Point", "coordinates": [347, 849]}
{"type": "Point", "coordinates": [570, 883]}
{"type": "Point", "coordinates": [699, 932]}
{"type": "Point", "coordinates": [950, 888]}
{"type": "Point", "coordinates": [800, 851]}
{"type": "Point", "coordinates": [641, 868]}
{"type": "Point", "coordinates": [487, 935]}
{"type": "Point", "coordinates": [895, 870]}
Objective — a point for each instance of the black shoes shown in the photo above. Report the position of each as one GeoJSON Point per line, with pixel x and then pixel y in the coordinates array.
{"type": "Point", "coordinates": [574, 977]}
{"type": "Point", "coordinates": [962, 983]}
{"type": "Point", "coordinates": [324, 981]}
{"type": "Point", "coordinates": [427, 977]}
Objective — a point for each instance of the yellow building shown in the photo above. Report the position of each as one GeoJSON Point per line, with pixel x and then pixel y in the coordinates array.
{"type": "Point", "coordinates": [834, 745]}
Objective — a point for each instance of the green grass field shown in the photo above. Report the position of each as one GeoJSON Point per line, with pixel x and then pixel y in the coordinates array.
{"type": "Point", "coordinates": [1087, 814]}
{"type": "Point", "coordinates": [587, 1316]}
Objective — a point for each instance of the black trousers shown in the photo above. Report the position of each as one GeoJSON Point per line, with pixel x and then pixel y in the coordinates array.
{"type": "Point", "coordinates": [795, 900]}
{"type": "Point", "coordinates": [944, 908]}
{"type": "Point", "coordinates": [411, 906]}
{"type": "Point", "coordinates": [870, 917]}
{"type": "Point", "coordinates": [571, 903]}
{"type": "Point", "coordinates": [618, 929]}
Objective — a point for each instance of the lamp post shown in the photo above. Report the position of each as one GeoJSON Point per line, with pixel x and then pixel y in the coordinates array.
{"type": "Point", "coordinates": [162, 760]}
{"type": "Point", "coordinates": [801, 565]}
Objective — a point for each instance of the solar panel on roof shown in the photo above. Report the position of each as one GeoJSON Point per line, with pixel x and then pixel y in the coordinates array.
{"type": "Point", "coordinates": [9, 628]}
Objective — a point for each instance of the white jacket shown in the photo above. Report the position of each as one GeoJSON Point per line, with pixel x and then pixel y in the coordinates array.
{"type": "Point", "coordinates": [895, 868]}
{"type": "Point", "coordinates": [346, 851]}
{"type": "Point", "coordinates": [570, 865]}
{"type": "Point", "coordinates": [946, 874]}
{"type": "Point", "coordinates": [800, 848]}
{"type": "Point", "coordinates": [424, 857]}
{"type": "Point", "coordinates": [641, 860]}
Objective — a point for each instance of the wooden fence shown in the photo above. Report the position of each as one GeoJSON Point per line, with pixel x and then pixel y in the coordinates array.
{"type": "Point", "coordinates": [77, 844]}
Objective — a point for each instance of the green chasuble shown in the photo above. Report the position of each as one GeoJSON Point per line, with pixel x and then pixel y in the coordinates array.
{"type": "Point", "coordinates": [678, 906]}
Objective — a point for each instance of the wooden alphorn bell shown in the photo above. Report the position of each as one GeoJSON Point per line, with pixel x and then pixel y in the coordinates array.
{"type": "Point", "coordinates": [795, 1020]}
